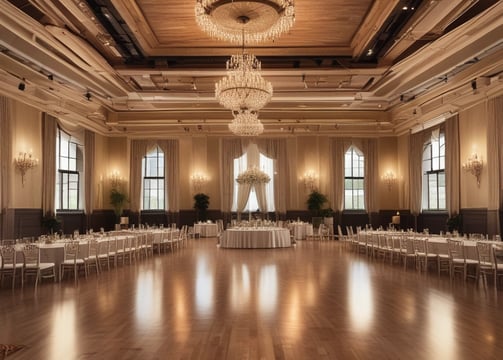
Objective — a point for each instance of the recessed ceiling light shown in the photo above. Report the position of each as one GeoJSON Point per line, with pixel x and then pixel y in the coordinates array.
{"type": "Point", "coordinates": [405, 8]}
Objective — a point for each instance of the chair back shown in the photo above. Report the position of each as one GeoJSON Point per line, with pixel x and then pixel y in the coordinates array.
{"type": "Point", "coordinates": [484, 253]}
{"type": "Point", "coordinates": [8, 254]}
{"type": "Point", "coordinates": [497, 256]}
{"type": "Point", "coordinates": [92, 248]}
{"type": "Point", "coordinates": [420, 246]}
{"type": "Point", "coordinates": [456, 249]}
{"type": "Point", "coordinates": [31, 253]}
{"type": "Point", "coordinates": [72, 250]}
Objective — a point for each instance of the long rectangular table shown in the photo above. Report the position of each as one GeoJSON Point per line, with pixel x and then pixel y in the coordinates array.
{"type": "Point", "coordinates": [253, 238]}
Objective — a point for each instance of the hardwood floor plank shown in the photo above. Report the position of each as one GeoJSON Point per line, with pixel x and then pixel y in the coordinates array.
{"type": "Point", "coordinates": [314, 301]}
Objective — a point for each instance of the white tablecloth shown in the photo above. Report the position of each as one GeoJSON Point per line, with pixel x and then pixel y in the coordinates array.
{"type": "Point", "coordinates": [255, 238]}
{"type": "Point", "coordinates": [206, 229]}
{"type": "Point", "coordinates": [301, 230]}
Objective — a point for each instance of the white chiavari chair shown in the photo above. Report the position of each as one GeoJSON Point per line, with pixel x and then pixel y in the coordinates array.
{"type": "Point", "coordinates": [10, 265]}
{"type": "Point", "coordinates": [33, 266]}
{"type": "Point", "coordinates": [71, 261]}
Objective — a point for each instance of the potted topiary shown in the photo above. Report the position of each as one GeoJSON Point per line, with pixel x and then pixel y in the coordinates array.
{"type": "Point", "coordinates": [315, 202]}
{"type": "Point", "coordinates": [51, 223]}
{"type": "Point", "coordinates": [118, 199]}
{"type": "Point", "coordinates": [201, 204]}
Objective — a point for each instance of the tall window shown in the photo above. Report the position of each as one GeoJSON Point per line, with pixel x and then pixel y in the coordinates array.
{"type": "Point", "coordinates": [153, 180]}
{"type": "Point", "coordinates": [354, 179]}
{"type": "Point", "coordinates": [434, 173]}
{"type": "Point", "coordinates": [266, 165]}
{"type": "Point", "coordinates": [69, 159]}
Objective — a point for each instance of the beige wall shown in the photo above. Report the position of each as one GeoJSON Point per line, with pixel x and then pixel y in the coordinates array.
{"type": "Point", "coordinates": [388, 162]}
{"type": "Point", "coordinates": [473, 139]}
{"type": "Point", "coordinates": [26, 135]}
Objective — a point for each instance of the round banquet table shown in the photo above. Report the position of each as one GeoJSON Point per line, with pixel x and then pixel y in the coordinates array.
{"type": "Point", "coordinates": [206, 229]}
{"type": "Point", "coordinates": [301, 230]}
{"type": "Point", "coordinates": [254, 238]}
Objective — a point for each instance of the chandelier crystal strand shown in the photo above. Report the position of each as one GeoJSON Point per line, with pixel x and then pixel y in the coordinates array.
{"type": "Point", "coordinates": [267, 19]}
{"type": "Point", "coordinates": [243, 87]}
{"type": "Point", "coordinates": [246, 123]}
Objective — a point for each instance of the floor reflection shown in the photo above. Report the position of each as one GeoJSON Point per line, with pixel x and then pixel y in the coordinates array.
{"type": "Point", "coordinates": [64, 332]}
{"type": "Point", "coordinates": [268, 289]}
{"type": "Point", "coordinates": [440, 330]}
{"type": "Point", "coordinates": [148, 309]}
{"type": "Point", "coordinates": [240, 287]}
{"type": "Point", "coordinates": [361, 302]}
{"type": "Point", "coordinates": [204, 287]}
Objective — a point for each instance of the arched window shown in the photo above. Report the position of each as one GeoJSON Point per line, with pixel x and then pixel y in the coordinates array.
{"type": "Point", "coordinates": [354, 176]}
{"type": "Point", "coordinates": [69, 164]}
{"type": "Point", "coordinates": [265, 164]}
{"type": "Point", "coordinates": [153, 180]}
{"type": "Point", "coordinates": [434, 173]}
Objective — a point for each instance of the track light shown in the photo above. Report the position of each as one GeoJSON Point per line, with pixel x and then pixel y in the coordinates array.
{"type": "Point", "coordinates": [474, 84]}
{"type": "Point", "coordinates": [50, 77]}
{"type": "Point", "coordinates": [21, 85]}
{"type": "Point", "coordinates": [88, 96]}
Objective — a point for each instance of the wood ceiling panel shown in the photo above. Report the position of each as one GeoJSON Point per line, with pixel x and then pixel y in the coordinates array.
{"type": "Point", "coordinates": [319, 23]}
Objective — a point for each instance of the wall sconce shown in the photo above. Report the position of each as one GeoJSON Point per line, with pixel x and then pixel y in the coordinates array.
{"type": "Point", "coordinates": [115, 179]}
{"type": "Point", "coordinates": [310, 179]}
{"type": "Point", "coordinates": [198, 181]}
{"type": "Point", "coordinates": [390, 179]}
{"type": "Point", "coordinates": [24, 162]}
{"type": "Point", "coordinates": [474, 166]}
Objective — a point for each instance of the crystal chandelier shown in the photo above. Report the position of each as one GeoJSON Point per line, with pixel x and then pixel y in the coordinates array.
{"type": "Point", "coordinates": [266, 19]}
{"type": "Point", "coordinates": [246, 123]}
{"type": "Point", "coordinates": [243, 87]}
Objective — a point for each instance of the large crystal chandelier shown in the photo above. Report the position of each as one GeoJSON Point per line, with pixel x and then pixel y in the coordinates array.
{"type": "Point", "coordinates": [243, 87]}
{"type": "Point", "coordinates": [246, 123]}
{"type": "Point", "coordinates": [267, 19]}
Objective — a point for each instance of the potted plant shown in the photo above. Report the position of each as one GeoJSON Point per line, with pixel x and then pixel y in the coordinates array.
{"type": "Point", "coordinates": [201, 204]}
{"type": "Point", "coordinates": [51, 223]}
{"type": "Point", "coordinates": [118, 199]}
{"type": "Point", "coordinates": [315, 202]}
{"type": "Point", "coordinates": [454, 223]}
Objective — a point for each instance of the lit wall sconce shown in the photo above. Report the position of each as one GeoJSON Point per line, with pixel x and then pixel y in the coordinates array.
{"type": "Point", "coordinates": [24, 162]}
{"type": "Point", "coordinates": [390, 179]}
{"type": "Point", "coordinates": [474, 166]}
{"type": "Point", "coordinates": [115, 179]}
{"type": "Point", "coordinates": [198, 181]}
{"type": "Point", "coordinates": [310, 180]}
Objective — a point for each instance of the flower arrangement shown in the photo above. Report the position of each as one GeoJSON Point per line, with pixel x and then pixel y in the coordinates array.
{"type": "Point", "coordinates": [253, 176]}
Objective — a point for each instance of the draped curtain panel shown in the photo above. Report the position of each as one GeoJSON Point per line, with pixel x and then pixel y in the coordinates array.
{"type": "Point", "coordinates": [230, 149]}
{"type": "Point", "coordinates": [243, 194]}
{"type": "Point", "coordinates": [138, 151]}
{"type": "Point", "coordinates": [336, 178]}
{"type": "Point", "coordinates": [494, 167]}
{"type": "Point", "coordinates": [452, 164]}
{"type": "Point", "coordinates": [89, 149]}
{"type": "Point", "coordinates": [276, 149]}
{"type": "Point", "coordinates": [261, 198]}
{"type": "Point", "coordinates": [49, 124]}
{"type": "Point", "coordinates": [5, 153]}
{"type": "Point", "coordinates": [171, 149]}
{"type": "Point", "coordinates": [415, 171]}
{"type": "Point", "coordinates": [369, 148]}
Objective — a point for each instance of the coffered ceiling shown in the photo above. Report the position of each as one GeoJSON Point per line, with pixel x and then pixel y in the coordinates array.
{"type": "Point", "coordinates": [144, 68]}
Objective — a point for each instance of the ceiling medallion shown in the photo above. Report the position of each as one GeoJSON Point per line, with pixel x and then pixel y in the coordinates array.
{"type": "Point", "coordinates": [266, 19]}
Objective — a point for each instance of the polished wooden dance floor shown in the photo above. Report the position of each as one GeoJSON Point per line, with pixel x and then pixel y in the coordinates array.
{"type": "Point", "coordinates": [312, 301]}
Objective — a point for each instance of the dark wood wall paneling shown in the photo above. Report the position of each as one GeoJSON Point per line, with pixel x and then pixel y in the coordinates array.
{"type": "Point", "coordinates": [28, 222]}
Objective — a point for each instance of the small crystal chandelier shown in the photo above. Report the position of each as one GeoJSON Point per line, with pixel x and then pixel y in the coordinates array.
{"type": "Point", "coordinates": [267, 20]}
{"type": "Point", "coordinates": [246, 123]}
{"type": "Point", "coordinates": [243, 87]}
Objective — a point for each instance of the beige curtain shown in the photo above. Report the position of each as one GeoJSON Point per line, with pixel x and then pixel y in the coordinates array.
{"type": "Point", "coordinates": [261, 198]}
{"type": "Point", "coordinates": [336, 178]}
{"type": "Point", "coordinates": [6, 163]}
{"type": "Point", "coordinates": [89, 149]}
{"type": "Point", "coordinates": [49, 124]}
{"type": "Point", "coordinates": [171, 149]}
{"type": "Point", "coordinates": [243, 194]}
{"type": "Point", "coordinates": [369, 148]}
{"type": "Point", "coordinates": [494, 165]}
{"type": "Point", "coordinates": [230, 149]}
{"type": "Point", "coordinates": [416, 171]}
{"type": "Point", "coordinates": [452, 164]}
{"type": "Point", "coordinates": [276, 149]}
